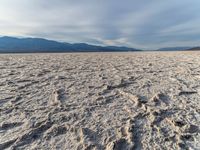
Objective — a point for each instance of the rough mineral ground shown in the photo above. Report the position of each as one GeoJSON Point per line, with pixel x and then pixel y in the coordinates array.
{"type": "Point", "coordinates": [117, 101]}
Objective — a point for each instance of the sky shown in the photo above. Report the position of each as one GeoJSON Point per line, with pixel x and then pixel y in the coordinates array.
{"type": "Point", "coordinates": [147, 24]}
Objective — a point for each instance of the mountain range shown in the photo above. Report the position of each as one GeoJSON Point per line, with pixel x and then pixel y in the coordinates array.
{"type": "Point", "coordinates": [37, 45]}
{"type": "Point", "coordinates": [23, 45]}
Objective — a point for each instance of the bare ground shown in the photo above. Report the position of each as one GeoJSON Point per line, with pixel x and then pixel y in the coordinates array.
{"type": "Point", "coordinates": [116, 101]}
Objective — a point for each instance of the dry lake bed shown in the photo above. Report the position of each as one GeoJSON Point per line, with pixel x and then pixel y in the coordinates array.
{"type": "Point", "coordinates": [119, 101]}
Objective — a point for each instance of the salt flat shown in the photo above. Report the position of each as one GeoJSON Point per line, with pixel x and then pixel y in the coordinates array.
{"type": "Point", "coordinates": [121, 101]}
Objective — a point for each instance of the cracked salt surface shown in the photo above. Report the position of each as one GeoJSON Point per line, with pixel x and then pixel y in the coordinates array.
{"type": "Point", "coordinates": [100, 101]}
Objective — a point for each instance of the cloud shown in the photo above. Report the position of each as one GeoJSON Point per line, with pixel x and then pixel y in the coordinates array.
{"type": "Point", "coordinates": [142, 24]}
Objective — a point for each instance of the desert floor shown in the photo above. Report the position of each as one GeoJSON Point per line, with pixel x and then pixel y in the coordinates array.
{"type": "Point", "coordinates": [120, 101]}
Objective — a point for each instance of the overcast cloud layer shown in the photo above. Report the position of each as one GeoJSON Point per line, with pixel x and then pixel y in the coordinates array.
{"type": "Point", "coordinates": [137, 23]}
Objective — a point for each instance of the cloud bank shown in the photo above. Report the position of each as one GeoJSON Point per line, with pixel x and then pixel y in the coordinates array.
{"type": "Point", "coordinates": [142, 24]}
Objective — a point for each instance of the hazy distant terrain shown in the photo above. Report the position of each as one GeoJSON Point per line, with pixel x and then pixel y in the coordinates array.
{"type": "Point", "coordinates": [117, 101]}
{"type": "Point", "coordinates": [174, 48]}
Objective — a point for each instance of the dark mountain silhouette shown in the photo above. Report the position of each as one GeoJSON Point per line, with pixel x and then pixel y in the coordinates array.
{"type": "Point", "coordinates": [195, 48]}
{"type": "Point", "coordinates": [24, 45]}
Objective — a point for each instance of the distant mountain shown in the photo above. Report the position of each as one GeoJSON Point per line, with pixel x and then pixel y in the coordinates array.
{"type": "Point", "coordinates": [174, 48]}
{"type": "Point", "coordinates": [24, 45]}
{"type": "Point", "coordinates": [195, 49]}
